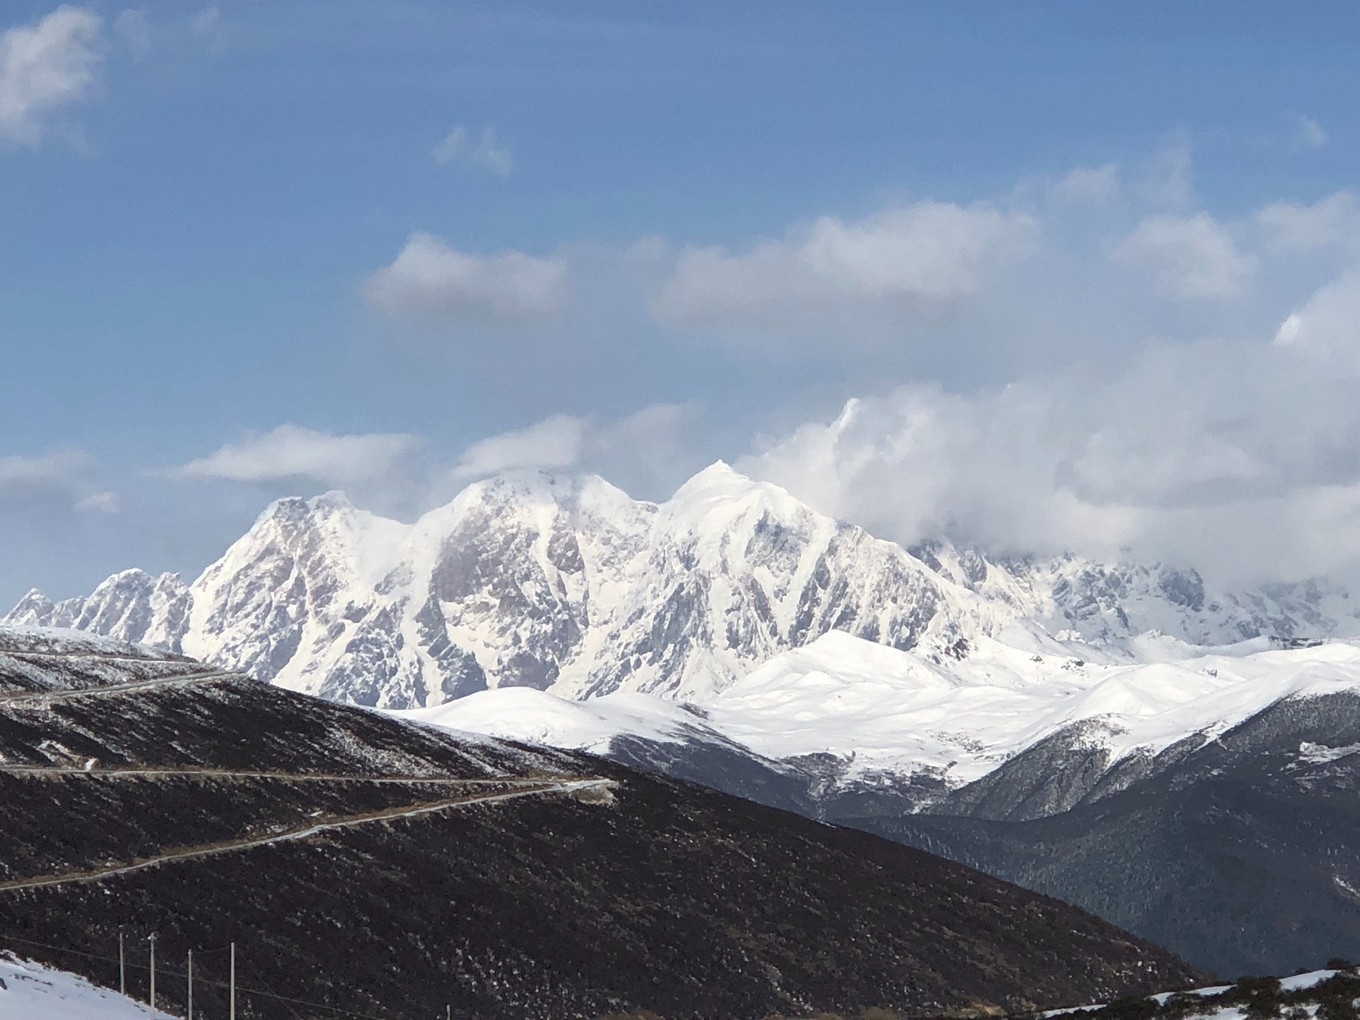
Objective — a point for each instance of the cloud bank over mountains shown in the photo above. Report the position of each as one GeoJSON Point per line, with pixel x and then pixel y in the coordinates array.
{"type": "Point", "coordinates": [1091, 362]}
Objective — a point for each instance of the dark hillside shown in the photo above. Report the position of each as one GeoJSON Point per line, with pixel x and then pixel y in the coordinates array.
{"type": "Point", "coordinates": [391, 871]}
{"type": "Point", "coordinates": [1240, 855]}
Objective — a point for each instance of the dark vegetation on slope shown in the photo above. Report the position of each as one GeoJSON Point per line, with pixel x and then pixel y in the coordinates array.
{"type": "Point", "coordinates": [671, 898]}
{"type": "Point", "coordinates": [1238, 853]}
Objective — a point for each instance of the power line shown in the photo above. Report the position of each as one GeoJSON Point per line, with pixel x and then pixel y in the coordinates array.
{"type": "Point", "coordinates": [259, 992]}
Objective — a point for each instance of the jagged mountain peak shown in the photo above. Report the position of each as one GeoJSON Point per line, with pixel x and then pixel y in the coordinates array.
{"type": "Point", "coordinates": [34, 598]}
{"type": "Point", "coordinates": [562, 582]}
{"type": "Point", "coordinates": [302, 511]}
{"type": "Point", "coordinates": [534, 491]}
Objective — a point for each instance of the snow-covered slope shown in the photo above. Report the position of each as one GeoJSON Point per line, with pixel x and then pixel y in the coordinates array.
{"type": "Point", "coordinates": [568, 585]}
{"type": "Point", "coordinates": [885, 712]}
{"type": "Point", "coordinates": [30, 991]}
{"type": "Point", "coordinates": [537, 717]}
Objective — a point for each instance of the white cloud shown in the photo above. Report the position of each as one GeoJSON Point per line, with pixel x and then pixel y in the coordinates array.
{"type": "Point", "coordinates": [926, 254]}
{"type": "Point", "coordinates": [1168, 178]}
{"type": "Point", "coordinates": [99, 502]}
{"type": "Point", "coordinates": [430, 280]}
{"type": "Point", "coordinates": [208, 27]}
{"type": "Point", "coordinates": [1241, 458]}
{"type": "Point", "coordinates": [1308, 133]}
{"type": "Point", "coordinates": [551, 444]}
{"type": "Point", "coordinates": [66, 479]}
{"type": "Point", "coordinates": [486, 153]}
{"type": "Point", "coordinates": [292, 452]}
{"type": "Point", "coordinates": [133, 26]}
{"type": "Point", "coordinates": [45, 67]}
{"type": "Point", "coordinates": [1086, 186]}
{"type": "Point", "coordinates": [648, 452]}
{"type": "Point", "coordinates": [1189, 256]}
{"type": "Point", "coordinates": [1326, 329]}
{"type": "Point", "coordinates": [1332, 221]}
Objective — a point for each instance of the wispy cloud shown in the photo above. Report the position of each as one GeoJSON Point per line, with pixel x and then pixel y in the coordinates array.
{"type": "Point", "coordinates": [133, 26]}
{"type": "Point", "coordinates": [1086, 184]}
{"type": "Point", "coordinates": [65, 479]}
{"type": "Point", "coordinates": [293, 452]}
{"type": "Point", "coordinates": [430, 280]}
{"type": "Point", "coordinates": [1308, 133]}
{"type": "Point", "coordinates": [208, 27]}
{"type": "Point", "coordinates": [925, 254]}
{"type": "Point", "coordinates": [648, 452]}
{"type": "Point", "coordinates": [487, 152]}
{"type": "Point", "coordinates": [1168, 178]}
{"type": "Point", "coordinates": [44, 68]}
{"type": "Point", "coordinates": [1189, 257]}
{"type": "Point", "coordinates": [553, 443]}
{"type": "Point", "coordinates": [1331, 221]}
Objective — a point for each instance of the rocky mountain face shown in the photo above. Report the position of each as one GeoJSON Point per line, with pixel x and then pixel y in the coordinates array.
{"type": "Point", "coordinates": [569, 585]}
{"type": "Point", "coordinates": [365, 866]}
{"type": "Point", "coordinates": [1237, 851]}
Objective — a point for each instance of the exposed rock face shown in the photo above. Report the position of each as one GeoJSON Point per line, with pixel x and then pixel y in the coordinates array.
{"type": "Point", "coordinates": [571, 586]}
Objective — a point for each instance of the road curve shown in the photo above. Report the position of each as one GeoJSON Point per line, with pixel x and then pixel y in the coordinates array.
{"type": "Point", "coordinates": [567, 787]}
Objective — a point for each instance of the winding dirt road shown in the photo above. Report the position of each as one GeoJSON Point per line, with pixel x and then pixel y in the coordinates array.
{"type": "Point", "coordinates": [524, 788]}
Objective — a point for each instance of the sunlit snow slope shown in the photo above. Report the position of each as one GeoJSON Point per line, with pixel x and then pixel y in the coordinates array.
{"type": "Point", "coordinates": [887, 711]}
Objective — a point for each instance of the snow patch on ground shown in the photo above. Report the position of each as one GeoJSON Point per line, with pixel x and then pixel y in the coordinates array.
{"type": "Point", "coordinates": [34, 992]}
{"type": "Point", "coordinates": [1320, 754]}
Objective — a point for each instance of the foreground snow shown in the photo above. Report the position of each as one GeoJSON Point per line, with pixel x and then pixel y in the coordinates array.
{"type": "Point", "coordinates": [886, 711]}
{"type": "Point", "coordinates": [34, 992]}
{"type": "Point", "coordinates": [1295, 983]}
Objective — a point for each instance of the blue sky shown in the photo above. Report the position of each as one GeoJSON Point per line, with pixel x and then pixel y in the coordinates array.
{"type": "Point", "coordinates": [240, 234]}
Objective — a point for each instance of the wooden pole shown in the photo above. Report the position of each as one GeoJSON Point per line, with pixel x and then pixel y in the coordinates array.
{"type": "Point", "coordinates": [122, 970]}
{"type": "Point", "coordinates": [152, 939]}
{"type": "Point", "coordinates": [191, 984]}
{"type": "Point", "coordinates": [232, 997]}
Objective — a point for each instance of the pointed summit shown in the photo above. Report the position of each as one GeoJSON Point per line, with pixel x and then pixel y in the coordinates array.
{"type": "Point", "coordinates": [717, 481]}
{"type": "Point", "coordinates": [33, 608]}
{"type": "Point", "coordinates": [721, 490]}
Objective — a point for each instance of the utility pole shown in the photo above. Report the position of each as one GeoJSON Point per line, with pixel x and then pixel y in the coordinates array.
{"type": "Point", "coordinates": [152, 939]}
{"type": "Point", "coordinates": [232, 996]}
{"type": "Point", "coordinates": [191, 984]}
{"type": "Point", "coordinates": [122, 971]}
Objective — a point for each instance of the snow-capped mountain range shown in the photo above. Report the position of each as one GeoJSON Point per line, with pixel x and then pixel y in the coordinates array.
{"type": "Point", "coordinates": [570, 586]}
{"type": "Point", "coordinates": [886, 714]}
{"type": "Point", "coordinates": [1061, 723]}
